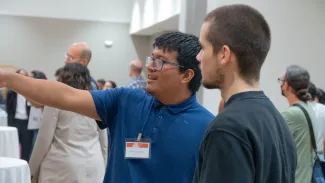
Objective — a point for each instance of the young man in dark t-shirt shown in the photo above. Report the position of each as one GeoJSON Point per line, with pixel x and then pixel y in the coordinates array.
{"type": "Point", "coordinates": [248, 142]}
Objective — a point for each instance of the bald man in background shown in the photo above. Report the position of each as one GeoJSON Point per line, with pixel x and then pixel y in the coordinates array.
{"type": "Point", "coordinates": [135, 73]}
{"type": "Point", "coordinates": [81, 53]}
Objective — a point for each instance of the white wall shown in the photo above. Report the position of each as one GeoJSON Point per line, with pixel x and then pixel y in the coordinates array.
{"type": "Point", "coordinates": [99, 10]}
{"type": "Point", "coordinates": [297, 28]}
{"type": "Point", "coordinates": [147, 13]}
{"type": "Point", "coordinates": [41, 43]}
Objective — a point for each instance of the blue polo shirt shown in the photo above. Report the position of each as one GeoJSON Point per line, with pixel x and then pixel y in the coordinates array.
{"type": "Point", "coordinates": [175, 131]}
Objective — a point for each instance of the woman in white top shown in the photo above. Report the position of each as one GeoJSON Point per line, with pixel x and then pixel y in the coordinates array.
{"type": "Point", "coordinates": [69, 148]}
{"type": "Point", "coordinates": [36, 111]}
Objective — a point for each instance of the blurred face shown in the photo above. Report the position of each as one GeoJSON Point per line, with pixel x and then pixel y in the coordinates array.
{"type": "Point", "coordinates": [73, 56]}
{"type": "Point", "coordinates": [100, 86]}
{"type": "Point", "coordinates": [284, 86]}
{"type": "Point", "coordinates": [167, 79]}
{"type": "Point", "coordinates": [107, 86]}
{"type": "Point", "coordinates": [213, 65]}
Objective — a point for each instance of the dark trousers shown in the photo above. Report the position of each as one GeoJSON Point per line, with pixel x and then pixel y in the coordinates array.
{"type": "Point", "coordinates": [25, 138]}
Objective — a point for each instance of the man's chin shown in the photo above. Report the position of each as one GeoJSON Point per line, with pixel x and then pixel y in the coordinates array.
{"type": "Point", "coordinates": [209, 85]}
{"type": "Point", "coordinates": [149, 89]}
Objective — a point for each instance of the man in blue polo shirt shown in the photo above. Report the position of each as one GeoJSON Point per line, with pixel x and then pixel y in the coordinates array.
{"type": "Point", "coordinates": [155, 134]}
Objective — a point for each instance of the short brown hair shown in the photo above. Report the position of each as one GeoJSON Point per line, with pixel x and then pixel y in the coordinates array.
{"type": "Point", "coordinates": [247, 34]}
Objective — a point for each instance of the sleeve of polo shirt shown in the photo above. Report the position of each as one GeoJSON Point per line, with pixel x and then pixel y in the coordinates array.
{"type": "Point", "coordinates": [106, 103]}
{"type": "Point", "coordinates": [225, 158]}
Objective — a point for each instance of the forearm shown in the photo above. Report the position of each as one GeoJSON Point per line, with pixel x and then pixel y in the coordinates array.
{"type": "Point", "coordinates": [45, 92]}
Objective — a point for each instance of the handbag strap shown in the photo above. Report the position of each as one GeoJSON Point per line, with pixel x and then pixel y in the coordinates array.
{"type": "Point", "coordinates": [311, 129]}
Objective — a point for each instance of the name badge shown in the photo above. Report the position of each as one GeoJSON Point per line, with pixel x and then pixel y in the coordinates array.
{"type": "Point", "coordinates": [137, 149]}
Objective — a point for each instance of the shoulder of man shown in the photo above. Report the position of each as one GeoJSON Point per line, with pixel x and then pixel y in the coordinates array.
{"type": "Point", "coordinates": [292, 112]}
{"type": "Point", "coordinates": [225, 122]}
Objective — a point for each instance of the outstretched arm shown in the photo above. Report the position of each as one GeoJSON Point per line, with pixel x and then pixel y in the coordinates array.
{"type": "Point", "coordinates": [51, 93]}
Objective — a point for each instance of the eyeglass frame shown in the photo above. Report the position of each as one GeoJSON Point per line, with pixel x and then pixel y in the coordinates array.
{"type": "Point", "coordinates": [67, 56]}
{"type": "Point", "coordinates": [281, 81]}
{"type": "Point", "coordinates": [163, 62]}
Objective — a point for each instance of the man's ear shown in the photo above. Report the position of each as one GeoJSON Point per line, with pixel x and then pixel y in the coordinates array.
{"type": "Point", "coordinates": [225, 55]}
{"type": "Point", "coordinates": [286, 86]}
{"type": "Point", "coordinates": [84, 62]}
{"type": "Point", "coordinates": [188, 76]}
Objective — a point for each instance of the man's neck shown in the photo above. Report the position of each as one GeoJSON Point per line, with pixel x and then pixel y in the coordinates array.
{"type": "Point", "coordinates": [171, 98]}
{"type": "Point", "coordinates": [237, 86]}
{"type": "Point", "coordinates": [292, 99]}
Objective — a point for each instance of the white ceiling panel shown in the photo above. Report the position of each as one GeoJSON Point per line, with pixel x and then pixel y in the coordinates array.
{"type": "Point", "coordinates": [98, 10]}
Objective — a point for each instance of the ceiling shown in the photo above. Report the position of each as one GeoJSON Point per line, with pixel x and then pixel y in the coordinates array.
{"type": "Point", "coordinates": [99, 10]}
{"type": "Point", "coordinates": [170, 24]}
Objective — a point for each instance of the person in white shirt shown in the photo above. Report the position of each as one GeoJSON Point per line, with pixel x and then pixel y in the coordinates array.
{"type": "Point", "coordinates": [319, 110]}
{"type": "Point", "coordinates": [36, 111]}
{"type": "Point", "coordinates": [18, 114]}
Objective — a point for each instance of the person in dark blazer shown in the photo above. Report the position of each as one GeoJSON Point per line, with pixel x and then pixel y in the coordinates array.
{"type": "Point", "coordinates": [18, 114]}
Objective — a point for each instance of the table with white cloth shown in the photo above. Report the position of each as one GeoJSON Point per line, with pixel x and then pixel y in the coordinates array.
{"type": "Point", "coordinates": [14, 170]}
{"type": "Point", "coordinates": [9, 143]}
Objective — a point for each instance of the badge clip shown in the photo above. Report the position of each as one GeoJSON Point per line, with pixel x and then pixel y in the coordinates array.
{"type": "Point", "coordinates": [139, 137]}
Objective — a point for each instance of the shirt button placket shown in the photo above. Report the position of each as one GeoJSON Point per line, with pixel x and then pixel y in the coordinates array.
{"type": "Point", "coordinates": [158, 122]}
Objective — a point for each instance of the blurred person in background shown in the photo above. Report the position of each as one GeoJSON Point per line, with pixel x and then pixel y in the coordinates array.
{"type": "Point", "coordinates": [69, 147]}
{"type": "Point", "coordinates": [294, 87]}
{"type": "Point", "coordinates": [80, 53]}
{"type": "Point", "coordinates": [135, 73]}
{"type": "Point", "coordinates": [109, 85]}
{"type": "Point", "coordinates": [320, 96]}
{"type": "Point", "coordinates": [2, 99]}
{"type": "Point", "coordinates": [18, 109]}
{"type": "Point", "coordinates": [36, 110]}
{"type": "Point", "coordinates": [319, 110]}
{"type": "Point", "coordinates": [100, 84]}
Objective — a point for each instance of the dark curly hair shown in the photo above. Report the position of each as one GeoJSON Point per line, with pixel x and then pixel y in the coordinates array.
{"type": "Point", "coordinates": [187, 46]}
{"type": "Point", "coordinates": [76, 76]}
{"type": "Point", "coordinates": [39, 74]}
{"type": "Point", "coordinates": [58, 71]}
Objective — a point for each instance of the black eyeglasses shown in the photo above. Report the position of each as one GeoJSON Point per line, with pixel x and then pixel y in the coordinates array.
{"type": "Point", "coordinates": [281, 81]}
{"type": "Point", "coordinates": [158, 64]}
